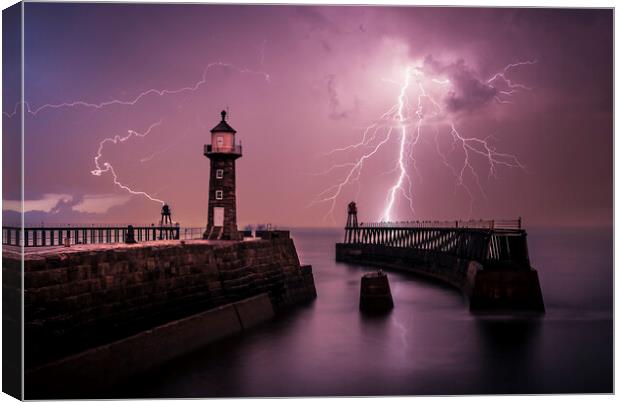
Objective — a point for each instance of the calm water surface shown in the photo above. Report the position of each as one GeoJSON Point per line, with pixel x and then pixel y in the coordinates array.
{"type": "Point", "coordinates": [429, 344]}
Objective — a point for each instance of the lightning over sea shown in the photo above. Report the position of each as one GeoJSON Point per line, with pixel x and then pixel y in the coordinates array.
{"type": "Point", "coordinates": [421, 109]}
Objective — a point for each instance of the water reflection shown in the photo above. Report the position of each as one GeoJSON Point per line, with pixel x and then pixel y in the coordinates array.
{"type": "Point", "coordinates": [508, 348]}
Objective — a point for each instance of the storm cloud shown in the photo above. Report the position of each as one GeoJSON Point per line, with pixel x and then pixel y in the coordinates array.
{"type": "Point", "coordinates": [469, 92]}
{"type": "Point", "coordinates": [336, 112]}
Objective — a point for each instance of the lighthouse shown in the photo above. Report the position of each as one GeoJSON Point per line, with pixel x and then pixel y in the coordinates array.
{"type": "Point", "coordinates": [222, 212]}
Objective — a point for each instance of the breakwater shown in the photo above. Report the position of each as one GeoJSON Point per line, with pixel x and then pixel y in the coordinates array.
{"type": "Point", "coordinates": [489, 265]}
{"type": "Point", "coordinates": [77, 300]}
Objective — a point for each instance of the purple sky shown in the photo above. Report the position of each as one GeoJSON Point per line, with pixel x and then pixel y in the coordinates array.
{"type": "Point", "coordinates": [332, 72]}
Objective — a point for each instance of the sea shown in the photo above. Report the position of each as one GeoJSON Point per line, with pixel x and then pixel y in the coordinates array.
{"type": "Point", "coordinates": [430, 343]}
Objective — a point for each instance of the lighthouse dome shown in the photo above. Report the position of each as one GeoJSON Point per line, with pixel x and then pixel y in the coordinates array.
{"type": "Point", "coordinates": [223, 126]}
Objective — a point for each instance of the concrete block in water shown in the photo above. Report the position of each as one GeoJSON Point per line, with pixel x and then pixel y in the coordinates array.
{"type": "Point", "coordinates": [503, 289]}
{"type": "Point", "coordinates": [375, 294]}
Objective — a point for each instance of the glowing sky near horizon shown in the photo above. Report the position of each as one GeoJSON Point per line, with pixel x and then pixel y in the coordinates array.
{"type": "Point", "coordinates": [332, 71]}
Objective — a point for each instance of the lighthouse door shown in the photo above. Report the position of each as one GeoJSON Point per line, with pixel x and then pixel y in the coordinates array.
{"type": "Point", "coordinates": [218, 216]}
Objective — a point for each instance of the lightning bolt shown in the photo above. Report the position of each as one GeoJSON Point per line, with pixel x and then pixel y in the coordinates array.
{"type": "Point", "coordinates": [400, 117]}
{"type": "Point", "coordinates": [131, 102]}
{"type": "Point", "coordinates": [408, 120]}
{"type": "Point", "coordinates": [332, 193]}
{"type": "Point", "coordinates": [512, 87]}
{"type": "Point", "coordinates": [156, 153]}
{"type": "Point", "coordinates": [108, 168]}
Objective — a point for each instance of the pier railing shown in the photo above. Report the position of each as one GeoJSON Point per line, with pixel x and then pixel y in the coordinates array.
{"type": "Point", "coordinates": [59, 236]}
{"type": "Point", "coordinates": [509, 224]}
{"type": "Point", "coordinates": [488, 241]}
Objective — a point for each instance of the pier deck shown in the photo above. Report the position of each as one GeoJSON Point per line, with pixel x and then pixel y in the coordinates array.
{"type": "Point", "coordinates": [78, 248]}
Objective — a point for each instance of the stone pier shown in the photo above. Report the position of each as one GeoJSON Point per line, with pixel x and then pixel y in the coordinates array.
{"type": "Point", "coordinates": [96, 314]}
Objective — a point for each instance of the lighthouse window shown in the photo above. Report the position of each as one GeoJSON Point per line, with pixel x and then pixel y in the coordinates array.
{"type": "Point", "coordinates": [219, 195]}
{"type": "Point", "coordinates": [219, 173]}
{"type": "Point", "coordinates": [220, 141]}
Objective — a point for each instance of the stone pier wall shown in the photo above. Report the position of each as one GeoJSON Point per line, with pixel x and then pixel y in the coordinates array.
{"type": "Point", "coordinates": [85, 296]}
{"type": "Point", "coordinates": [445, 267]}
{"type": "Point", "coordinates": [96, 371]}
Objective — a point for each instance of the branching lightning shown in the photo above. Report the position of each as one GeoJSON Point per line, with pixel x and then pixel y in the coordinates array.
{"type": "Point", "coordinates": [107, 166]}
{"type": "Point", "coordinates": [408, 122]}
{"type": "Point", "coordinates": [402, 176]}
